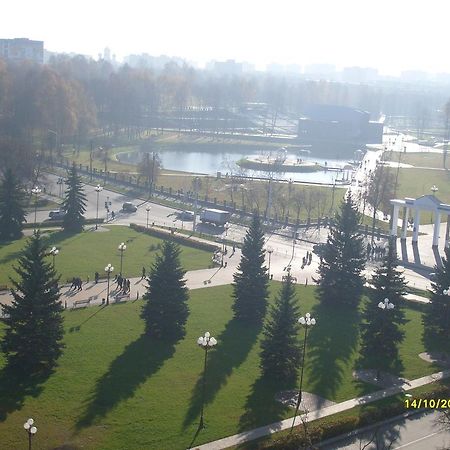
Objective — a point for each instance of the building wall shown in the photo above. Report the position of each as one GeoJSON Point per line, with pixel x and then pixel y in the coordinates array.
{"type": "Point", "coordinates": [22, 49]}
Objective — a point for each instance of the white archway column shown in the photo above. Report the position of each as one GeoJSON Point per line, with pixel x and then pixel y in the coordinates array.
{"type": "Point", "coordinates": [394, 221]}
{"type": "Point", "coordinates": [405, 222]}
{"type": "Point", "coordinates": [416, 226]}
{"type": "Point", "coordinates": [437, 226]}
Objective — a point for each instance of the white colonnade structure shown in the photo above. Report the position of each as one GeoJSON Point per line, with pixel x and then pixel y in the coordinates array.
{"type": "Point", "coordinates": [415, 207]}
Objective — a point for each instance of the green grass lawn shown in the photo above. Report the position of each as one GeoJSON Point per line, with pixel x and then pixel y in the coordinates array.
{"type": "Point", "coordinates": [419, 159]}
{"type": "Point", "coordinates": [115, 389]}
{"type": "Point", "coordinates": [84, 253]}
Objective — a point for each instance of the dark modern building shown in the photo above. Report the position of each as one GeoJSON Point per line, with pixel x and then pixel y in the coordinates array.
{"type": "Point", "coordinates": [341, 124]}
{"type": "Point", "coordinates": [22, 49]}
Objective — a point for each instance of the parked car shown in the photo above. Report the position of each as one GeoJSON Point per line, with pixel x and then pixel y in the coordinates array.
{"type": "Point", "coordinates": [57, 215]}
{"type": "Point", "coordinates": [186, 215]}
{"type": "Point", "coordinates": [129, 207]}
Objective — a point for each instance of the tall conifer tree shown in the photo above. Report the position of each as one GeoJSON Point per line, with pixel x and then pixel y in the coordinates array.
{"type": "Point", "coordinates": [34, 323]}
{"type": "Point", "coordinates": [12, 214]}
{"type": "Point", "coordinates": [381, 332]}
{"type": "Point", "coordinates": [437, 316]}
{"type": "Point", "coordinates": [250, 287]}
{"type": "Point", "coordinates": [280, 355]}
{"type": "Point", "coordinates": [343, 260]}
{"type": "Point", "coordinates": [74, 202]}
{"type": "Point", "coordinates": [165, 309]}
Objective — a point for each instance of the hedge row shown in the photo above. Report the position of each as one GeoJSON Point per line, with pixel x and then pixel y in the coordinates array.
{"type": "Point", "coordinates": [178, 238]}
{"type": "Point", "coordinates": [340, 425]}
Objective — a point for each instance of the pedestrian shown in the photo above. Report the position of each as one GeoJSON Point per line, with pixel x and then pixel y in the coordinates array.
{"type": "Point", "coordinates": [74, 284]}
{"type": "Point", "coordinates": [80, 284]}
{"type": "Point", "coordinates": [128, 285]}
{"type": "Point", "coordinates": [113, 215]}
{"type": "Point", "coordinates": [65, 304]}
{"type": "Point", "coordinates": [96, 276]}
{"type": "Point", "coordinates": [119, 281]}
{"type": "Point", "coordinates": [87, 279]}
{"type": "Point", "coordinates": [143, 273]}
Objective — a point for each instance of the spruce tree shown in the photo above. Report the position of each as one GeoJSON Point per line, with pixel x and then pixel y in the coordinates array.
{"type": "Point", "coordinates": [280, 355]}
{"type": "Point", "coordinates": [34, 324]}
{"type": "Point", "coordinates": [250, 287]}
{"type": "Point", "coordinates": [437, 316]}
{"type": "Point", "coordinates": [74, 202]}
{"type": "Point", "coordinates": [165, 310]}
{"type": "Point", "coordinates": [381, 333]}
{"type": "Point", "coordinates": [343, 259]}
{"type": "Point", "coordinates": [12, 213]}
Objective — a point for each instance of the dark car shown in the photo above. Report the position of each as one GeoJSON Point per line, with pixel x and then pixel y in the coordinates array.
{"type": "Point", "coordinates": [57, 215]}
{"type": "Point", "coordinates": [129, 207]}
{"type": "Point", "coordinates": [186, 215]}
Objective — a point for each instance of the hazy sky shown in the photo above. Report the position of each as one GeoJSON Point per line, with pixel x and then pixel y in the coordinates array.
{"type": "Point", "coordinates": [391, 35]}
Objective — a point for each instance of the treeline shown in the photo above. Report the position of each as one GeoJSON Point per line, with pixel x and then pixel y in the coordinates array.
{"type": "Point", "coordinates": [72, 99]}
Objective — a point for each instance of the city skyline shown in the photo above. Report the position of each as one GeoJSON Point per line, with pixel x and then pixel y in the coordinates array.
{"type": "Point", "coordinates": [384, 35]}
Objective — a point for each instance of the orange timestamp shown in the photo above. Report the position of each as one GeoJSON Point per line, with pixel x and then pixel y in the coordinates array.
{"type": "Point", "coordinates": [428, 403]}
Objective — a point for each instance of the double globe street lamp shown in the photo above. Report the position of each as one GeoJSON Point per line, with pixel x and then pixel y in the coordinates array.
{"type": "Point", "coordinates": [54, 251]}
{"type": "Point", "coordinates": [35, 191]}
{"type": "Point", "coordinates": [98, 189]}
{"type": "Point", "coordinates": [306, 322]}
{"type": "Point", "coordinates": [206, 342]}
{"type": "Point", "coordinates": [385, 305]}
{"type": "Point", "coordinates": [122, 247]}
{"type": "Point", "coordinates": [108, 269]}
{"type": "Point", "coordinates": [31, 430]}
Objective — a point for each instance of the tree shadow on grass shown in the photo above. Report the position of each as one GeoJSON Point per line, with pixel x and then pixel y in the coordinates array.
{"type": "Point", "coordinates": [233, 347]}
{"type": "Point", "coordinates": [261, 407]}
{"type": "Point", "coordinates": [140, 360]}
{"type": "Point", "coordinates": [331, 344]}
{"type": "Point", "coordinates": [16, 385]}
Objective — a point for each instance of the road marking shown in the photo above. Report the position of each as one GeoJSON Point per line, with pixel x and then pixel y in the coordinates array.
{"type": "Point", "coordinates": [418, 440]}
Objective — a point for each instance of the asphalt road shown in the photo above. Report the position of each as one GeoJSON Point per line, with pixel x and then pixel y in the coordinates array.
{"type": "Point", "coordinates": [418, 432]}
{"type": "Point", "coordinates": [285, 251]}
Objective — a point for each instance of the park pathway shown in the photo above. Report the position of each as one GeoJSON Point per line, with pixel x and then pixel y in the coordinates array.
{"type": "Point", "coordinates": [267, 430]}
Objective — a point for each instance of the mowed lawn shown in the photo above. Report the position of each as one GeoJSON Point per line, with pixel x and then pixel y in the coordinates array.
{"type": "Point", "coordinates": [84, 253]}
{"type": "Point", "coordinates": [115, 389]}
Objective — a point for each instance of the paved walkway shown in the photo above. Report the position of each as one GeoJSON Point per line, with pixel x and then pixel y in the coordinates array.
{"type": "Point", "coordinates": [250, 435]}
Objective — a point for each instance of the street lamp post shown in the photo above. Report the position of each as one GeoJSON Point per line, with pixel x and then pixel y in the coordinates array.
{"type": "Point", "coordinates": [148, 212]}
{"type": "Point", "coordinates": [108, 269]}
{"type": "Point", "coordinates": [122, 247]}
{"type": "Point", "coordinates": [36, 191]}
{"type": "Point", "coordinates": [206, 342]}
{"type": "Point", "coordinates": [60, 183]}
{"type": "Point", "coordinates": [98, 189]}
{"type": "Point", "coordinates": [54, 251]}
{"type": "Point", "coordinates": [31, 430]}
{"type": "Point", "coordinates": [269, 250]}
{"type": "Point", "coordinates": [385, 305]}
{"type": "Point", "coordinates": [305, 322]}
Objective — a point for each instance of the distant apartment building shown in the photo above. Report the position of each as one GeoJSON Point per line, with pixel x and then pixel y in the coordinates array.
{"type": "Point", "coordinates": [22, 49]}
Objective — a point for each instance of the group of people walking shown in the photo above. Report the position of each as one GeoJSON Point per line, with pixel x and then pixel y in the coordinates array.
{"type": "Point", "coordinates": [122, 283]}
{"type": "Point", "coordinates": [375, 252]}
{"type": "Point", "coordinates": [306, 261]}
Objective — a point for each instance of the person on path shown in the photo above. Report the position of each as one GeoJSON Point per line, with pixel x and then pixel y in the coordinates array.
{"type": "Point", "coordinates": [143, 273]}
{"type": "Point", "coordinates": [128, 285]}
{"type": "Point", "coordinates": [96, 276]}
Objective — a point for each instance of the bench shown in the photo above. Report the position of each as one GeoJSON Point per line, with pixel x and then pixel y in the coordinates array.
{"type": "Point", "coordinates": [83, 303]}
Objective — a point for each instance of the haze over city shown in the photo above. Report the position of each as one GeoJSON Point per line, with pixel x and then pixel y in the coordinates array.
{"type": "Point", "coordinates": [389, 36]}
